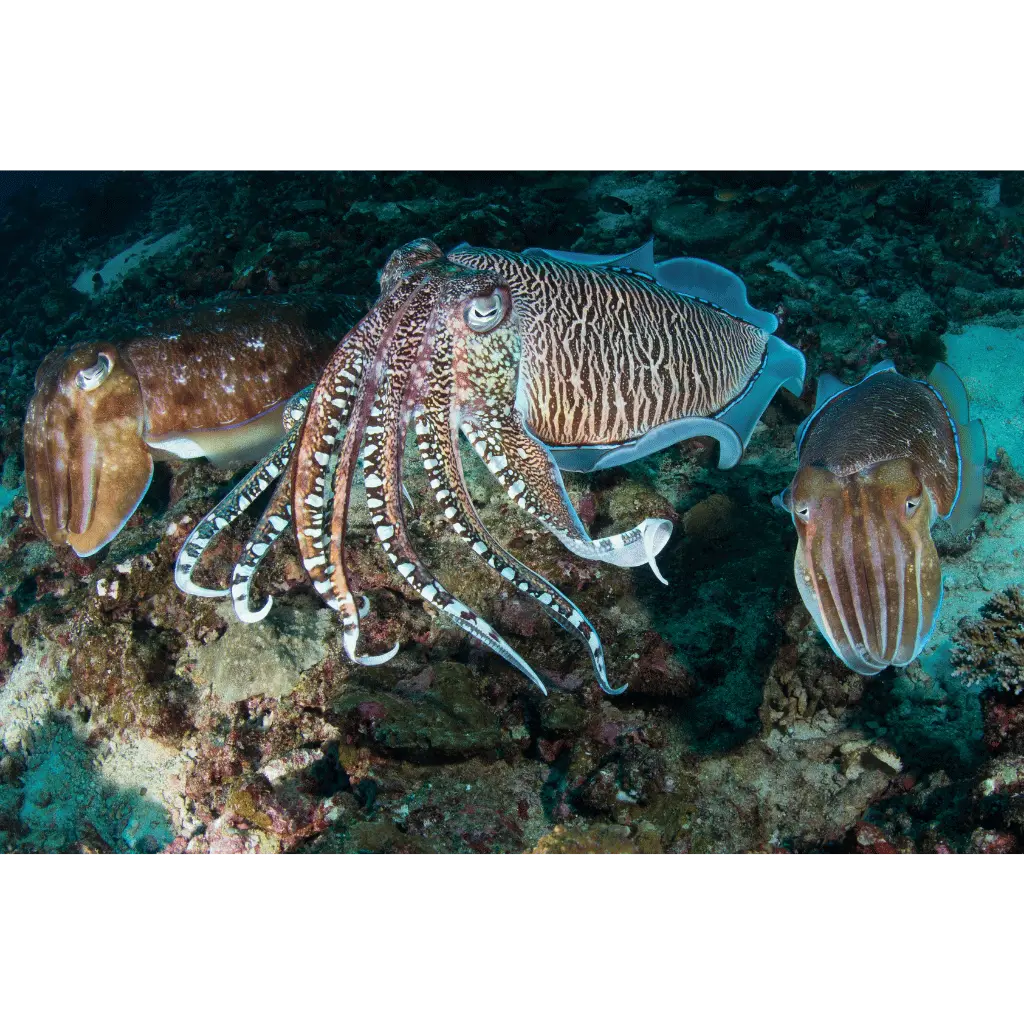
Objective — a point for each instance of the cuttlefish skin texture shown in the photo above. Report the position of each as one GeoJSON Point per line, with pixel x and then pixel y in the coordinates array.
{"type": "Point", "coordinates": [531, 358]}
{"type": "Point", "coordinates": [208, 382]}
{"type": "Point", "coordinates": [879, 463]}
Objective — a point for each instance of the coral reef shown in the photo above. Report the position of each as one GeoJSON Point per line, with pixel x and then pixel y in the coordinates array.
{"type": "Point", "coordinates": [133, 719]}
{"type": "Point", "coordinates": [992, 649]}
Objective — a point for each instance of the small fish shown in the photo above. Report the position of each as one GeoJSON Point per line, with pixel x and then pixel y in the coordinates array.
{"type": "Point", "coordinates": [879, 462]}
{"type": "Point", "coordinates": [210, 382]}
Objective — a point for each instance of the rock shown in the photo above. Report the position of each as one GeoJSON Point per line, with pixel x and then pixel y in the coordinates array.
{"type": "Point", "coordinates": [450, 720]}
{"type": "Point", "coordinates": [265, 658]}
{"type": "Point", "coordinates": [694, 226]}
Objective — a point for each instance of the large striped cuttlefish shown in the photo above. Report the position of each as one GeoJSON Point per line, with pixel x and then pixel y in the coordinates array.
{"type": "Point", "coordinates": [217, 381]}
{"type": "Point", "coordinates": [545, 362]}
{"type": "Point", "coordinates": [879, 462]}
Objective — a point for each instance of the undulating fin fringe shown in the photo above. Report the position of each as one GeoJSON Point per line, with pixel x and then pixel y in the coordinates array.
{"type": "Point", "coordinates": [971, 446]}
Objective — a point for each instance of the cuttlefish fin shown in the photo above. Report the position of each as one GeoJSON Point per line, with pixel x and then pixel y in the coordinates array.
{"type": "Point", "coordinates": [225, 446]}
{"type": "Point", "coordinates": [829, 385]}
{"type": "Point", "coordinates": [709, 282]}
{"type": "Point", "coordinates": [970, 442]}
{"type": "Point", "coordinates": [686, 275]}
{"type": "Point", "coordinates": [641, 258]}
{"type": "Point", "coordinates": [589, 458]}
{"type": "Point", "coordinates": [783, 367]}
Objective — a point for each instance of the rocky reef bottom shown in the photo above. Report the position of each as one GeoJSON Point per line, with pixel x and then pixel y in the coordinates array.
{"type": "Point", "coordinates": [134, 719]}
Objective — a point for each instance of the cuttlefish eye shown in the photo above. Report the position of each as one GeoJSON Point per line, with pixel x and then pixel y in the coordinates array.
{"type": "Point", "coordinates": [91, 378]}
{"type": "Point", "coordinates": [912, 506]}
{"type": "Point", "coordinates": [803, 512]}
{"type": "Point", "coordinates": [484, 312]}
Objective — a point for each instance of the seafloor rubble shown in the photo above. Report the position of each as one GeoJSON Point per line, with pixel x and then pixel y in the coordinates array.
{"type": "Point", "coordinates": [134, 719]}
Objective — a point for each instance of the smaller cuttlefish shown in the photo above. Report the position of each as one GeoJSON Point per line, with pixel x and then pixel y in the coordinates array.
{"type": "Point", "coordinates": [215, 382]}
{"type": "Point", "coordinates": [879, 462]}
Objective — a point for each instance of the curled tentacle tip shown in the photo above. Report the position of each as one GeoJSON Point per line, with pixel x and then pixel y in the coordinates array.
{"type": "Point", "coordinates": [657, 572]}
{"type": "Point", "coordinates": [364, 607]}
{"type": "Point", "coordinates": [246, 614]}
{"type": "Point", "coordinates": [350, 642]}
{"type": "Point", "coordinates": [656, 534]}
{"type": "Point", "coordinates": [613, 691]}
{"type": "Point", "coordinates": [375, 659]}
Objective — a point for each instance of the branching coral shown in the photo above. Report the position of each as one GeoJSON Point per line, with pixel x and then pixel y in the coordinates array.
{"type": "Point", "coordinates": [993, 648]}
{"type": "Point", "coordinates": [1005, 477]}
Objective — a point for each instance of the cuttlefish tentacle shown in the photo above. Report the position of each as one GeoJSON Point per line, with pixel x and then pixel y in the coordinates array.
{"type": "Point", "coordinates": [382, 468]}
{"type": "Point", "coordinates": [321, 540]}
{"type": "Point", "coordinates": [879, 462]}
{"type": "Point", "coordinates": [321, 513]}
{"type": "Point", "coordinates": [274, 521]}
{"type": "Point", "coordinates": [531, 477]}
{"type": "Point", "coordinates": [224, 513]}
{"type": "Point", "coordinates": [437, 442]}
{"type": "Point", "coordinates": [239, 498]}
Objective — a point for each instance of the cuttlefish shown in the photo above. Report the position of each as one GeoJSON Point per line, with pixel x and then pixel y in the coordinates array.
{"type": "Point", "coordinates": [544, 362]}
{"type": "Point", "coordinates": [879, 462]}
{"type": "Point", "coordinates": [214, 382]}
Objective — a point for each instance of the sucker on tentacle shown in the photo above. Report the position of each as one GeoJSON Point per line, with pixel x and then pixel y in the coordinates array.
{"type": "Point", "coordinates": [546, 362]}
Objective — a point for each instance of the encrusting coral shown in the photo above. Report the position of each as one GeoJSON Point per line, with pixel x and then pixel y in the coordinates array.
{"type": "Point", "coordinates": [993, 648]}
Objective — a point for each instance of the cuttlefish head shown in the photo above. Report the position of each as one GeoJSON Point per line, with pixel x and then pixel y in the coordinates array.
{"type": "Point", "coordinates": [866, 565]}
{"type": "Point", "coordinates": [86, 463]}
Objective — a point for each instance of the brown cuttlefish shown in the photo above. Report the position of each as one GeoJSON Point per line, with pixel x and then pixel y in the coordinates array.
{"type": "Point", "coordinates": [879, 462]}
{"type": "Point", "coordinates": [211, 382]}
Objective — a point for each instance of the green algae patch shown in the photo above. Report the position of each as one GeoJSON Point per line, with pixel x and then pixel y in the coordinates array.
{"type": "Point", "coordinates": [670, 815]}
